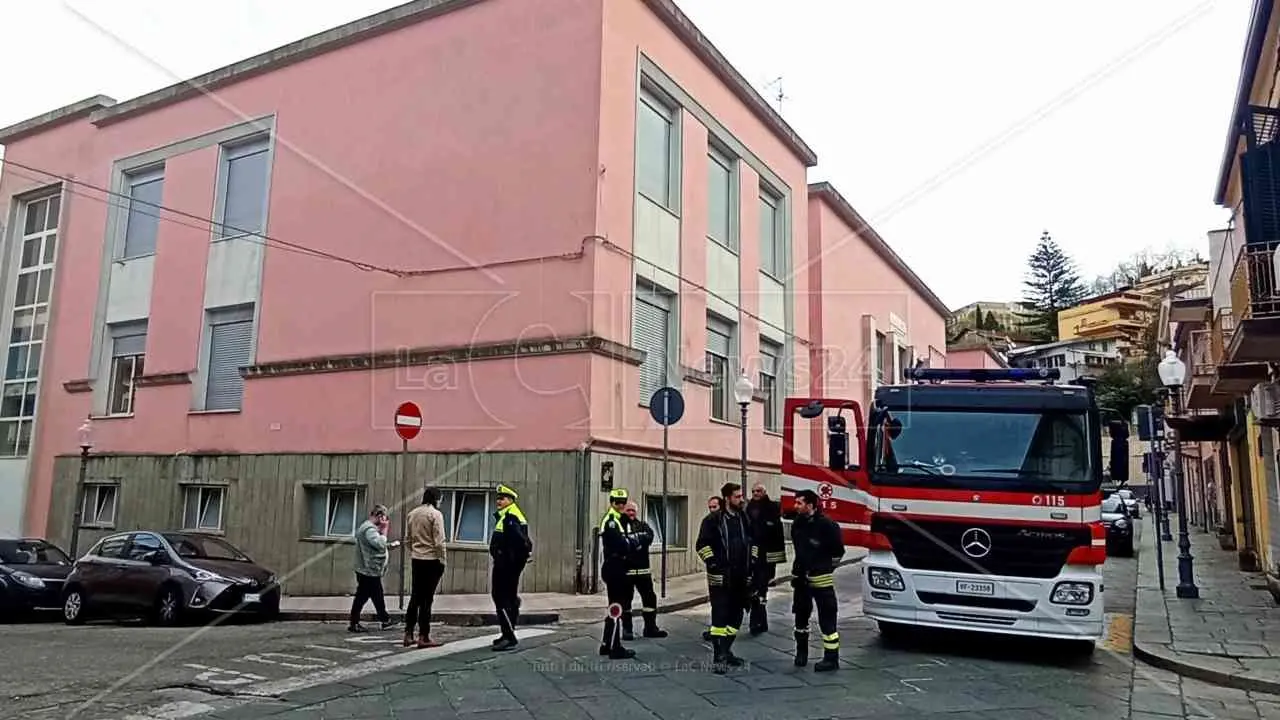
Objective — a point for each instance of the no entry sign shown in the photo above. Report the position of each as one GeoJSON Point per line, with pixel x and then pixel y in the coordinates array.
{"type": "Point", "coordinates": [408, 421]}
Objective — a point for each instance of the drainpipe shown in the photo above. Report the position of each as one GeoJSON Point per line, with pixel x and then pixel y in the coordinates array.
{"type": "Point", "coordinates": [582, 502]}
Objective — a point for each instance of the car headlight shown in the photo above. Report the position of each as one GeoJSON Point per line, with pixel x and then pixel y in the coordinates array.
{"type": "Point", "coordinates": [1121, 523]}
{"type": "Point", "coordinates": [1072, 593]}
{"type": "Point", "coordinates": [206, 576]}
{"type": "Point", "coordinates": [29, 580]}
{"type": "Point", "coordinates": [885, 579]}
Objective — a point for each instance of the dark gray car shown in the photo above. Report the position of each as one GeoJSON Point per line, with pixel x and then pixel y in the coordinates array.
{"type": "Point", "coordinates": [167, 577]}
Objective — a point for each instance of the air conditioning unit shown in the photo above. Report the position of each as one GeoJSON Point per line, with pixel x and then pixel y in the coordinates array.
{"type": "Point", "coordinates": [1265, 401]}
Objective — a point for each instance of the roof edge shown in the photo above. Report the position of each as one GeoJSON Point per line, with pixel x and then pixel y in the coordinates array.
{"type": "Point", "coordinates": [679, 23]}
{"type": "Point", "coordinates": [326, 41]}
{"type": "Point", "coordinates": [44, 121]}
{"type": "Point", "coordinates": [826, 191]}
{"type": "Point", "coordinates": [1255, 39]}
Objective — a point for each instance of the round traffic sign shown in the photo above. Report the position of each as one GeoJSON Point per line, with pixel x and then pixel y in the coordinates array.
{"type": "Point", "coordinates": [666, 406]}
{"type": "Point", "coordinates": [615, 611]}
{"type": "Point", "coordinates": [408, 421]}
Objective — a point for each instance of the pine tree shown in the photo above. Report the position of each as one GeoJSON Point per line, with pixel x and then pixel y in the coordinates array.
{"type": "Point", "coordinates": [991, 323]}
{"type": "Point", "coordinates": [1052, 285]}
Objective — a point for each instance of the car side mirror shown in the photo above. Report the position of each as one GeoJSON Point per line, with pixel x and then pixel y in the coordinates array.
{"type": "Point", "coordinates": [837, 443]}
{"type": "Point", "coordinates": [155, 557]}
{"type": "Point", "coordinates": [894, 428]}
{"type": "Point", "coordinates": [811, 411]}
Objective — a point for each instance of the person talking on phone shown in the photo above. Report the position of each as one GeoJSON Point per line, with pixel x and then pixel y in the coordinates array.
{"type": "Point", "coordinates": [371, 565]}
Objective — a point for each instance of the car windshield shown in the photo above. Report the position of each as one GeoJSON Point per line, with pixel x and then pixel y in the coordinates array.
{"type": "Point", "coordinates": [1015, 447]}
{"type": "Point", "coordinates": [205, 548]}
{"type": "Point", "coordinates": [1126, 494]}
{"type": "Point", "coordinates": [1112, 504]}
{"type": "Point", "coordinates": [31, 552]}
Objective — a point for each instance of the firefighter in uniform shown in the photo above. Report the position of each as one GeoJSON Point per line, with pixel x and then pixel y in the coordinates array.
{"type": "Point", "coordinates": [510, 548]}
{"type": "Point", "coordinates": [725, 546]}
{"type": "Point", "coordinates": [818, 547]}
{"type": "Point", "coordinates": [618, 542]}
{"type": "Point", "coordinates": [765, 514]}
{"type": "Point", "coordinates": [641, 579]}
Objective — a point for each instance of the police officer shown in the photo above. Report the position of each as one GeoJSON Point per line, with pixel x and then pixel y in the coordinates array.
{"type": "Point", "coordinates": [765, 515]}
{"type": "Point", "coordinates": [818, 548]}
{"type": "Point", "coordinates": [724, 543]}
{"type": "Point", "coordinates": [641, 578]}
{"type": "Point", "coordinates": [618, 542]}
{"type": "Point", "coordinates": [510, 548]}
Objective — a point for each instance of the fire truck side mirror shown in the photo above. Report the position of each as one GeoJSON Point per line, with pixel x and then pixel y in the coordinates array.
{"type": "Point", "coordinates": [837, 443]}
{"type": "Point", "coordinates": [1119, 464]}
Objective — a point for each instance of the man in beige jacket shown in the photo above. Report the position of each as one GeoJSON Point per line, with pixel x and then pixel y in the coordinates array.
{"type": "Point", "coordinates": [426, 537]}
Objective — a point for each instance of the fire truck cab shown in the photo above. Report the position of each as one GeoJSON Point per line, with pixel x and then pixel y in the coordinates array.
{"type": "Point", "coordinates": [976, 494]}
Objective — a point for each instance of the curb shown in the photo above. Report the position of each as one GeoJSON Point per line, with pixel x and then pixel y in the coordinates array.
{"type": "Point", "coordinates": [1168, 660]}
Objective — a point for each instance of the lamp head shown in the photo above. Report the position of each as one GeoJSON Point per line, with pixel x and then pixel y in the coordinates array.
{"type": "Point", "coordinates": [1172, 370]}
{"type": "Point", "coordinates": [743, 389]}
{"type": "Point", "coordinates": [86, 435]}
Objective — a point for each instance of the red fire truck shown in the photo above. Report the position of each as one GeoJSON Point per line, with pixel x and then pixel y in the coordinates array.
{"type": "Point", "coordinates": [976, 494]}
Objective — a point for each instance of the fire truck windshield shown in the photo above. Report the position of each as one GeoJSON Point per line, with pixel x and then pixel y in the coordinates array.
{"type": "Point", "coordinates": [975, 449]}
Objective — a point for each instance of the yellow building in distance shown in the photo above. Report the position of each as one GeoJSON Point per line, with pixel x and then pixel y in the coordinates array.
{"type": "Point", "coordinates": [1123, 316]}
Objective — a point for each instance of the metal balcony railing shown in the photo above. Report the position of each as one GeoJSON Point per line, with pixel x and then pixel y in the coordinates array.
{"type": "Point", "coordinates": [1253, 283]}
{"type": "Point", "coordinates": [1224, 324]}
{"type": "Point", "coordinates": [1195, 293]}
{"type": "Point", "coordinates": [1201, 361]}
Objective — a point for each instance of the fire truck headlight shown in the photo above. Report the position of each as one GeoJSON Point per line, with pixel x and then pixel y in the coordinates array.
{"type": "Point", "coordinates": [1072, 593]}
{"type": "Point", "coordinates": [885, 579]}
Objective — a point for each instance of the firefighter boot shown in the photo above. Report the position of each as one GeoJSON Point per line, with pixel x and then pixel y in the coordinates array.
{"type": "Point", "coordinates": [628, 626]}
{"type": "Point", "coordinates": [759, 618]}
{"type": "Point", "coordinates": [729, 657]}
{"type": "Point", "coordinates": [802, 649]}
{"type": "Point", "coordinates": [830, 661]}
{"type": "Point", "coordinates": [651, 629]}
{"type": "Point", "coordinates": [706, 635]}
{"type": "Point", "coordinates": [719, 663]}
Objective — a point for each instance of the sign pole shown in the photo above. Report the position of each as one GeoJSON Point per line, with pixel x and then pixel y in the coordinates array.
{"type": "Point", "coordinates": [662, 522]}
{"type": "Point", "coordinates": [666, 407]}
{"type": "Point", "coordinates": [404, 517]}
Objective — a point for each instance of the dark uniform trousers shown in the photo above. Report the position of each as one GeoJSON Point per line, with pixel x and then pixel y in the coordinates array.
{"type": "Point", "coordinates": [641, 581]}
{"type": "Point", "coordinates": [618, 590]}
{"type": "Point", "coordinates": [820, 591]}
{"type": "Point", "coordinates": [730, 597]}
{"type": "Point", "coordinates": [505, 589]}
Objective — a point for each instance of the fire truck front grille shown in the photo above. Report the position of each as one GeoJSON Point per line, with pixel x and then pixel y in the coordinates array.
{"type": "Point", "coordinates": [1011, 551]}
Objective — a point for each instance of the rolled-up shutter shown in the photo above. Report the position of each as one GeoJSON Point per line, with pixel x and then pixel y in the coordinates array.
{"type": "Point", "coordinates": [651, 334]}
{"type": "Point", "coordinates": [229, 345]}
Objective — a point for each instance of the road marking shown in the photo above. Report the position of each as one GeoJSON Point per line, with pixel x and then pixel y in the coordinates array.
{"type": "Point", "coordinates": [1119, 634]}
{"type": "Point", "coordinates": [175, 710]}
{"type": "Point", "coordinates": [271, 658]}
{"type": "Point", "coordinates": [331, 648]}
{"type": "Point", "coordinates": [221, 676]}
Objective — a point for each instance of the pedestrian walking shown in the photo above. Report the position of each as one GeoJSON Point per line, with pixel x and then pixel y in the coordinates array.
{"type": "Point", "coordinates": [713, 504]}
{"type": "Point", "coordinates": [371, 566]}
{"type": "Point", "coordinates": [818, 548]}
{"type": "Point", "coordinates": [427, 557]}
{"type": "Point", "coordinates": [510, 547]}
{"type": "Point", "coordinates": [725, 545]}
{"type": "Point", "coordinates": [617, 542]}
{"type": "Point", "coordinates": [765, 515]}
{"type": "Point", "coordinates": [641, 578]}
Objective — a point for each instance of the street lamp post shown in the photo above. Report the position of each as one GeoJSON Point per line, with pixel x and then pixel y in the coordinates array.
{"type": "Point", "coordinates": [86, 444]}
{"type": "Point", "coordinates": [1172, 372]}
{"type": "Point", "coordinates": [742, 392]}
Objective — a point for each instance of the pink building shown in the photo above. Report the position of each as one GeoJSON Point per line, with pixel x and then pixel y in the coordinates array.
{"type": "Point", "coordinates": [241, 276]}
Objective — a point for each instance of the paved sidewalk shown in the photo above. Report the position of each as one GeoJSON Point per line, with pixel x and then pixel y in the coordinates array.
{"type": "Point", "coordinates": [1223, 636]}
{"type": "Point", "coordinates": [537, 608]}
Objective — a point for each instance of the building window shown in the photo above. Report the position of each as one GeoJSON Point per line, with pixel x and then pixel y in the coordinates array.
{"type": "Point", "coordinates": [28, 323]}
{"type": "Point", "coordinates": [675, 515]}
{"type": "Point", "coordinates": [771, 234]}
{"type": "Point", "coordinates": [142, 225]}
{"type": "Point", "coordinates": [770, 354]}
{"type": "Point", "coordinates": [468, 517]}
{"type": "Point", "coordinates": [904, 363]}
{"type": "Point", "coordinates": [334, 512]}
{"type": "Point", "coordinates": [720, 194]}
{"type": "Point", "coordinates": [99, 505]}
{"type": "Point", "coordinates": [879, 358]}
{"type": "Point", "coordinates": [128, 347]}
{"type": "Point", "coordinates": [651, 331]}
{"type": "Point", "coordinates": [719, 352]}
{"type": "Point", "coordinates": [202, 508]}
{"type": "Point", "coordinates": [230, 343]}
{"type": "Point", "coordinates": [244, 191]}
{"type": "Point", "coordinates": [657, 151]}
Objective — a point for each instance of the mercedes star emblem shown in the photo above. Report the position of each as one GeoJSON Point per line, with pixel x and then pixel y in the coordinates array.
{"type": "Point", "coordinates": [975, 542]}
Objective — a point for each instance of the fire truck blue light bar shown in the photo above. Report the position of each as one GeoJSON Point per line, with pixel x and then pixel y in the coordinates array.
{"type": "Point", "coordinates": [984, 374]}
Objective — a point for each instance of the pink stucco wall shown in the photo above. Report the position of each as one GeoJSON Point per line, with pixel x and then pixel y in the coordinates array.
{"type": "Point", "coordinates": [387, 154]}
{"type": "Point", "coordinates": [854, 280]}
{"type": "Point", "coordinates": [971, 358]}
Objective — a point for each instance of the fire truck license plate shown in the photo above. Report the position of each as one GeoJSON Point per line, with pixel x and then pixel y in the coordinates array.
{"type": "Point", "coordinates": [967, 587]}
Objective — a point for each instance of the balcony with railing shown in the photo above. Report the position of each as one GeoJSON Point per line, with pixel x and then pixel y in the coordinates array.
{"type": "Point", "coordinates": [1198, 386]}
{"type": "Point", "coordinates": [1230, 378]}
{"type": "Point", "coordinates": [1255, 305]}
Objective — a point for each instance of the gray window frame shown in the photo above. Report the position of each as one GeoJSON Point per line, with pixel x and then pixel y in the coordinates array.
{"type": "Point", "coordinates": [451, 500]}
{"type": "Point", "coordinates": [358, 511]}
{"type": "Point", "coordinates": [133, 179]}
{"type": "Point", "coordinates": [124, 334]}
{"type": "Point", "coordinates": [716, 155]}
{"type": "Point", "coordinates": [215, 318]}
{"type": "Point", "coordinates": [772, 411]}
{"type": "Point", "coordinates": [677, 511]}
{"type": "Point", "coordinates": [659, 297]}
{"type": "Point", "coordinates": [197, 491]}
{"type": "Point", "coordinates": [240, 148]}
{"type": "Point", "coordinates": [657, 101]}
{"type": "Point", "coordinates": [92, 491]}
{"type": "Point", "coordinates": [728, 329]}
{"type": "Point", "coordinates": [774, 262]}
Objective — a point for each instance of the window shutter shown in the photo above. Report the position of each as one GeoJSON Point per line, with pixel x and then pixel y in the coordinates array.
{"type": "Point", "coordinates": [1260, 183]}
{"type": "Point", "coordinates": [650, 328]}
{"type": "Point", "coordinates": [718, 337]}
{"type": "Point", "coordinates": [126, 345]}
{"type": "Point", "coordinates": [228, 352]}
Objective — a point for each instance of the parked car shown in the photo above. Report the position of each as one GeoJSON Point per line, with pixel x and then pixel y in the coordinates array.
{"type": "Point", "coordinates": [1115, 515]}
{"type": "Point", "coordinates": [32, 572]}
{"type": "Point", "coordinates": [1131, 502]}
{"type": "Point", "coordinates": [167, 577]}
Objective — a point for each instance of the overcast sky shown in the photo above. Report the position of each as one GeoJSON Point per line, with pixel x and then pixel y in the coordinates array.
{"type": "Point", "coordinates": [960, 130]}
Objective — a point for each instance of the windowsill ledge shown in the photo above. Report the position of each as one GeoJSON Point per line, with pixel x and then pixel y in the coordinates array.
{"type": "Point", "coordinates": [120, 416]}
{"type": "Point", "coordinates": [329, 540]}
{"type": "Point", "coordinates": [726, 423]}
{"type": "Point", "coordinates": [79, 385]}
{"type": "Point", "coordinates": [204, 531]}
{"type": "Point", "coordinates": [98, 526]}
{"type": "Point", "coordinates": [773, 433]}
{"type": "Point", "coordinates": [232, 411]}
{"type": "Point", "coordinates": [164, 379]}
